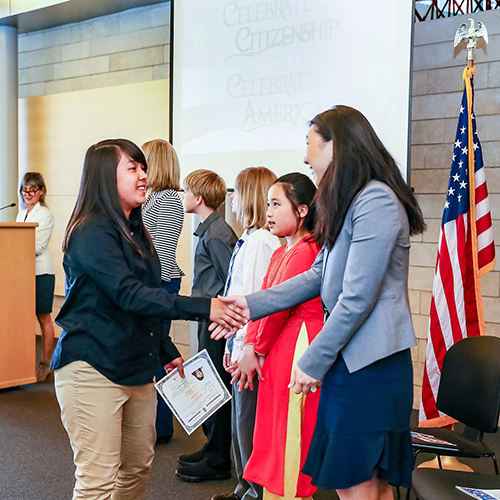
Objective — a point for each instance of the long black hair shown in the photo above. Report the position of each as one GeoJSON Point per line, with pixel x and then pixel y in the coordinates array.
{"type": "Point", "coordinates": [358, 157]}
{"type": "Point", "coordinates": [98, 190]}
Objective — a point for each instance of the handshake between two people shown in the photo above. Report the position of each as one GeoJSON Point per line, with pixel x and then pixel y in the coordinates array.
{"type": "Point", "coordinates": [228, 315]}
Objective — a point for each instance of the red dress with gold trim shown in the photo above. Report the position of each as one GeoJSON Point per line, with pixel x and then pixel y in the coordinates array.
{"type": "Point", "coordinates": [277, 337]}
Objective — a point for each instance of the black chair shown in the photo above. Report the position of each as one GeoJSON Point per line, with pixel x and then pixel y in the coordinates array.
{"type": "Point", "coordinates": [469, 391]}
{"type": "Point", "coordinates": [438, 484]}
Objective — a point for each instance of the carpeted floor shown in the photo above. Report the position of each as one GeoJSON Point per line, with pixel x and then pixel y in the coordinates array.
{"type": "Point", "coordinates": [36, 458]}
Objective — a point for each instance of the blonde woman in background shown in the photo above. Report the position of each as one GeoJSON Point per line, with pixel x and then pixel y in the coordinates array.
{"type": "Point", "coordinates": [33, 193]}
{"type": "Point", "coordinates": [163, 216]}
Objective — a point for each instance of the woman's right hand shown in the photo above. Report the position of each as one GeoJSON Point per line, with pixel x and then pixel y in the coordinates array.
{"type": "Point", "coordinates": [237, 304]}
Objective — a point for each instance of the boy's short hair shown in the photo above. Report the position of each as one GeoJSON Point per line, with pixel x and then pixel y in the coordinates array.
{"type": "Point", "coordinates": [207, 184]}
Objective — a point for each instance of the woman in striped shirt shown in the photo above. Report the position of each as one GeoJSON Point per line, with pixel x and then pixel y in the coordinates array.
{"type": "Point", "coordinates": [163, 217]}
{"type": "Point", "coordinates": [162, 213]}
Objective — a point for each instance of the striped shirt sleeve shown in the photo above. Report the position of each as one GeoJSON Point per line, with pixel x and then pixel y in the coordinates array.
{"type": "Point", "coordinates": [163, 216]}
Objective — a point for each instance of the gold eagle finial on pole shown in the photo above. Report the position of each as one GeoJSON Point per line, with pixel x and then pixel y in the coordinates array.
{"type": "Point", "coordinates": [472, 33]}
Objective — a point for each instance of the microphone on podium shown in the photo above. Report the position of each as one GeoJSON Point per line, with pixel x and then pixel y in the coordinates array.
{"type": "Point", "coordinates": [8, 206]}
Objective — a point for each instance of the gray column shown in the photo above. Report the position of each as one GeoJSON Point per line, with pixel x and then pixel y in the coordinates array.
{"type": "Point", "coordinates": [8, 122]}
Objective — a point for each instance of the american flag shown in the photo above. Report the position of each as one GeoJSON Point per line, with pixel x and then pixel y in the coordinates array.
{"type": "Point", "coordinates": [466, 251]}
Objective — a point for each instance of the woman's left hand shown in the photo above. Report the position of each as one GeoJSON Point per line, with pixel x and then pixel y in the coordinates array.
{"type": "Point", "coordinates": [176, 363]}
{"type": "Point", "coordinates": [303, 383]}
{"type": "Point", "coordinates": [248, 365]}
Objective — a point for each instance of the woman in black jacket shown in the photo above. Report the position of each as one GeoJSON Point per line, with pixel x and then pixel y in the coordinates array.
{"type": "Point", "coordinates": [113, 324]}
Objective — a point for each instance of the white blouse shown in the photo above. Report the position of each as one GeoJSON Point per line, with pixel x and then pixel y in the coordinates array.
{"type": "Point", "coordinates": [43, 232]}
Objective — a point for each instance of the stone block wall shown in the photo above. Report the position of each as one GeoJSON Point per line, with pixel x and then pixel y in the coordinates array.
{"type": "Point", "coordinates": [129, 47]}
{"type": "Point", "coordinates": [437, 90]}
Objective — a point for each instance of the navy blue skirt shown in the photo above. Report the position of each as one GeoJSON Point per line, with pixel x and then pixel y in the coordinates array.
{"type": "Point", "coordinates": [363, 425]}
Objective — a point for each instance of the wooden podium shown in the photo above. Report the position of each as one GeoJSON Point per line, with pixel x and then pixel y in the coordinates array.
{"type": "Point", "coordinates": [17, 304]}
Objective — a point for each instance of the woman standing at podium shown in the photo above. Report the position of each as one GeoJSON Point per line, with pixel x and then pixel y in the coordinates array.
{"type": "Point", "coordinates": [33, 193]}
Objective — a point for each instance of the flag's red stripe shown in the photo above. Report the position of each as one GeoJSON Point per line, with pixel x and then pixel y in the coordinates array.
{"type": "Point", "coordinates": [428, 402]}
{"type": "Point", "coordinates": [486, 255]}
{"type": "Point", "coordinates": [481, 192]}
{"type": "Point", "coordinates": [471, 313]}
{"type": "Point", "coordinates": [463, 260]}
{"type": "Point", "coordinates": [461, 237]}
{"type": "Point", "coordinates": [447, 279]}
{"type": "Point", "coordinates": [484, 223]}
{"type": "Point", "coordinates": [437, 337]}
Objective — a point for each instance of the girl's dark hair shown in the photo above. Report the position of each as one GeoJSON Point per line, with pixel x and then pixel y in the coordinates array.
{"type": "Point", "coordinates": [98, 191]}
{"type": "Point", "coordinates": [300, 190]}
{"type": "Point", "coordinates": [34, 180]}
{"type": "Point", "coordinates": [358, 157]}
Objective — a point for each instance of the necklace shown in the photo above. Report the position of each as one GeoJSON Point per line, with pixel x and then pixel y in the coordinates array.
{"type": "Point", "coordinates": [289, 247]}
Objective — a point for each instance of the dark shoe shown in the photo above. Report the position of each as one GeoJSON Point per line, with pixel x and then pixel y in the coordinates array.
{"type": "Point", "coordinates": [163, 439]}
{"type": "Point", "coordinates": [202, 471]}
{"type": "Point", "coordinates": [43, 371]}
{"type": "Point", "coordinates": [228, 496]}
{"type": "Point", "coordinates": [193, 458]}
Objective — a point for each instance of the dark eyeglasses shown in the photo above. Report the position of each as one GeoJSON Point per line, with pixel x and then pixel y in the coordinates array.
{"type": "Point", "coordinates": [30, 192]}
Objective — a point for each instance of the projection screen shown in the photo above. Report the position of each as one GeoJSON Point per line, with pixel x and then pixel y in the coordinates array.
{"type": "Point", "coordinates": [249, 74]}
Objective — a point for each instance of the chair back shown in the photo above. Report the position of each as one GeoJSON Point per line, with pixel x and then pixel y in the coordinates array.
{"type": "Point", "coordinates": [469, 390]}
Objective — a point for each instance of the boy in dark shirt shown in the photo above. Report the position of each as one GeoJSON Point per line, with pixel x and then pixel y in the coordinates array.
{"type": "Point", "coordinates": [204, 193]}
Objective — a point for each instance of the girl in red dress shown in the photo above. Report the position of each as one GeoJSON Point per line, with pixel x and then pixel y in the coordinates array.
{"type": "Point", "coordinates": [285, 421]}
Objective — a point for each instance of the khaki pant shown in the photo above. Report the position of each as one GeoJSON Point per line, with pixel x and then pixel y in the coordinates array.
{"type": "Point", "coordinates": [111, 428]}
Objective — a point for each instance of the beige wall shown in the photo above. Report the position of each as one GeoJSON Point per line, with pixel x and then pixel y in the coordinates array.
{"type": "Point", "coordinates": [437, 90]}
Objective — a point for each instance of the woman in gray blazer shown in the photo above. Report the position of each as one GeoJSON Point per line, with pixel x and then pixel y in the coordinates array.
{"type": "Point", "coordinates": [361, 358]}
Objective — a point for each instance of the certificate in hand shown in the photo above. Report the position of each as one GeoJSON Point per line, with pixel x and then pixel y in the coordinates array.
{"type": "Point", "coordinates": [196, 397]}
